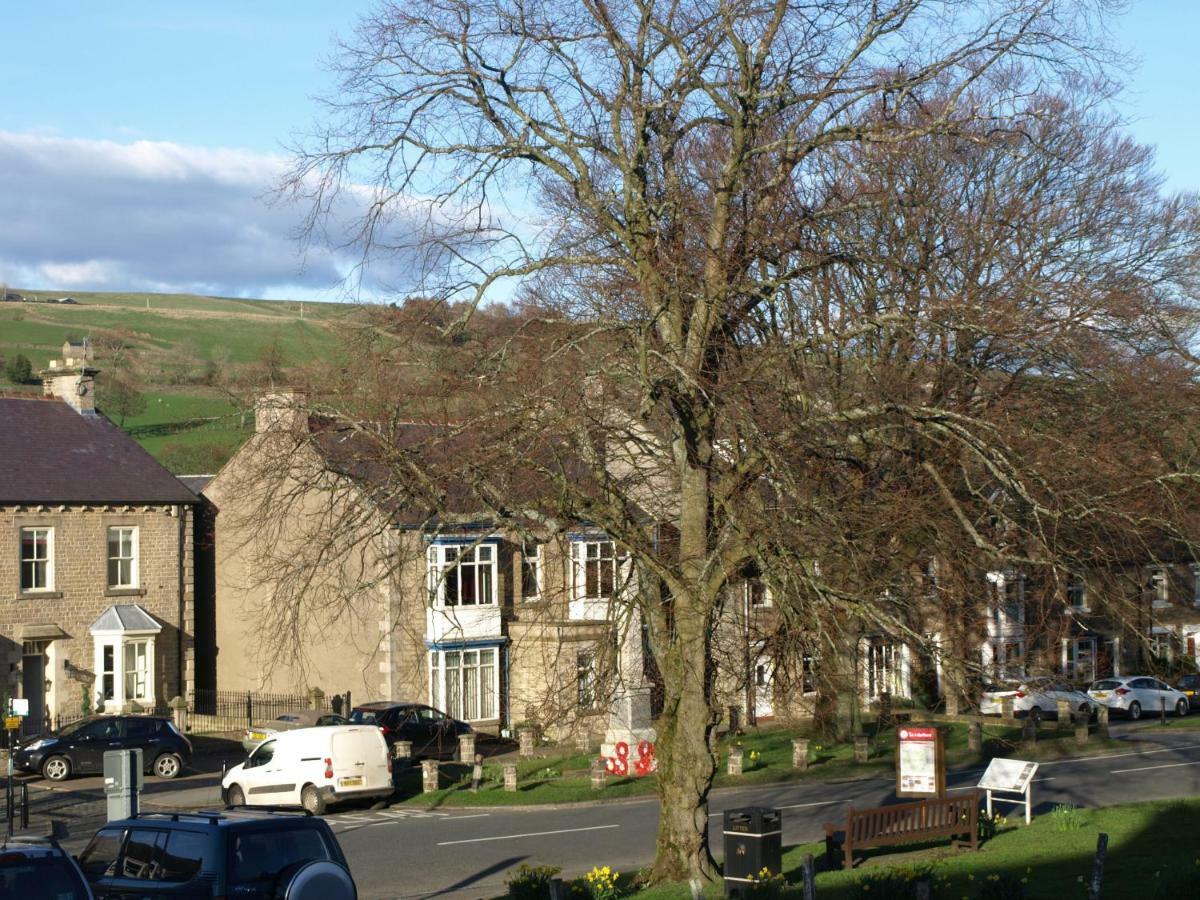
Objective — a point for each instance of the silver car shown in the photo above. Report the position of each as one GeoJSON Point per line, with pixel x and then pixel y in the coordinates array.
{"type": "Point", "coordinates": [289, 721]}
{"type": "Point", "coordinates": [1036, 698]}
{"type": "Point", "coordinates": [1138, 695]}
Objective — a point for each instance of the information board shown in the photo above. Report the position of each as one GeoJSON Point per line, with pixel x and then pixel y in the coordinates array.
{"type": "Point", "coordinates": [920, 764]}
{"type": "Point", "coordinates": [1011, 775]}
{"type": "Point", "coordinates": [18, 706]}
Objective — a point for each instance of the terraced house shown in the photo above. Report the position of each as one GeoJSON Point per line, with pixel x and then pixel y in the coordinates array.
{"type": "Point", "coordinates": [96, 576]}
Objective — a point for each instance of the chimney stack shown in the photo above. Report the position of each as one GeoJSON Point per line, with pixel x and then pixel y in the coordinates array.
{"type": "Point", "coordinates": [72, 379]}
{"type": "Point", "coordinates": [281, 410]}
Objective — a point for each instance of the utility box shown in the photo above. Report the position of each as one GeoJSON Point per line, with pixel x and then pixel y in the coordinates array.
{"type": "Point", "coordinates": [753, 843]}
{"type": "Point", "coordinates": [123, 780]}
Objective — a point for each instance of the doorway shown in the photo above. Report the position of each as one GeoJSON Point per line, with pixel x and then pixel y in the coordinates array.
{"type": "Point", "coordinates": [33, 687]}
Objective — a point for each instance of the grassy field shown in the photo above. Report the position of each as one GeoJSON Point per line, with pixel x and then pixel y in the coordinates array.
{"type": "Point", "coordinates": [176, 346]}
{"type": "Point", "coordinates": [1153, 852]}
{"type": "Point", "coordinates": [767, 754]}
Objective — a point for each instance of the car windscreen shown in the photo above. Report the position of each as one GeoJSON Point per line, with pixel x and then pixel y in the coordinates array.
{"type": "Point", "coordinates": [75, 726]}
{"type": "Point", "coordinates": [1108, 685]}
{"type": "Point", "coordinates": [48, 877]}
{"type": "Point", "coordinates": [363, 717]}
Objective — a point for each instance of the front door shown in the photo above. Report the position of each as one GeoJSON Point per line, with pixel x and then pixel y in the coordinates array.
{"type": "Point", "coordinates": [764, 688]}
{"type": "Point", "coordinates": [33, 689]}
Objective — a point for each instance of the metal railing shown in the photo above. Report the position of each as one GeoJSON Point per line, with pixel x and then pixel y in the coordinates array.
{"type": "Point", "coordinates": [215, 710]}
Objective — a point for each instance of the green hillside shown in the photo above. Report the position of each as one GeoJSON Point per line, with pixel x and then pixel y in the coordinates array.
{"type": "Point", "coordinates": [184, 354]}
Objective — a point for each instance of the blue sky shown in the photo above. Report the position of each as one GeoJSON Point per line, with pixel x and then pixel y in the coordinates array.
{"type": "Point", "coordinates": [93, 96]}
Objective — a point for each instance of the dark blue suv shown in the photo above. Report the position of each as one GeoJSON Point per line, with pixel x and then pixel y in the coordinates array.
{"type": "Point", "coordinates": [244, 853]}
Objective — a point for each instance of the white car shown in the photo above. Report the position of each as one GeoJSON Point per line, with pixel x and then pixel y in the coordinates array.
{"type": "Point", "coordinates": [312, 768]}
{"type": "Point", "coordinates": [1036, 698]}
{"type": "Point", "coordinates": [1139, 695]}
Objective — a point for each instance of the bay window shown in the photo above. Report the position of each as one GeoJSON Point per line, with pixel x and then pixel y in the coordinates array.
{"type": "Point", "coordinates": [465, 682]}
{"type": "Point", "coordinates": [462, 575]}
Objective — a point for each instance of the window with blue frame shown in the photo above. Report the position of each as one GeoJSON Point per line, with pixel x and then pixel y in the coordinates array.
{"type": "Point", "coordinates": [462, 575]}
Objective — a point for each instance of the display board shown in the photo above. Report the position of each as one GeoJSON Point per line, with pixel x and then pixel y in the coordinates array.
{"type": "Point", "coordinates": [920, 762]}
{"type": "Point", "coordinates": [1011, 775]}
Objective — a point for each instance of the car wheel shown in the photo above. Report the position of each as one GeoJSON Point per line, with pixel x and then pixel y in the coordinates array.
{"type": "Point", "coordinates": [1135, 710]}
{"type": "Point", "coordinates": [1035, 713]}
{"type": "Point", "coordinates": [169, 765]}
{"type": "Point", "coordinates": [235, 797]}
{"type": "Point", "coordinates": [57, 768]}
{"type": "Point", "coordinates": [1181, 708]}
{"type": "Point", "coordinates": [311, 799]}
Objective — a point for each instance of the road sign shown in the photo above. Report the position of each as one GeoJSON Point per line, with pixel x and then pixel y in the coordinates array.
{"type": "Point", "coordinates": [18, 706]}
{"type": "Point", "coordinates": [12, 722]}
{"type": "Point", "coordinates": [920, 761]}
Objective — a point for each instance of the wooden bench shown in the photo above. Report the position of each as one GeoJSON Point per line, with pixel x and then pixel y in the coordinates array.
{"type": "Point", "coordinates": [905, 823]}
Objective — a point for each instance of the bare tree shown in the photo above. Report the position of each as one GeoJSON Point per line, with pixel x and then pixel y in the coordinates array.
{"type": "Point", "coordinates": [769, 334]}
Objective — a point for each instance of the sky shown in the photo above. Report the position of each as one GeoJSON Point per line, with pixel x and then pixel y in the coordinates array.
{"type": "Point", "coordinates": [138, 139]}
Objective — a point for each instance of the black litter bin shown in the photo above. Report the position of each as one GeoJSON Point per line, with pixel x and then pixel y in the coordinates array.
{"type": "Point", "coordinates": [753, 842]}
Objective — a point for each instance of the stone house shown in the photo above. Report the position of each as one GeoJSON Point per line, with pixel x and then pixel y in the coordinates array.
{"type": "Point", "coordinates": [96, 592]}
{"type": "Point", "coordinates": [490, 626]}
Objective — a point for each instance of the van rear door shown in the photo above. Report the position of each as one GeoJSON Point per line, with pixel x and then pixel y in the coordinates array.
{"type": "Point", "coordinates": [359, 760]}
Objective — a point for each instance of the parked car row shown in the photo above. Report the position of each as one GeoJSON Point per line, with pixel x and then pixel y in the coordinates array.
{"type": "Point", "coordinates": [1130, 695]}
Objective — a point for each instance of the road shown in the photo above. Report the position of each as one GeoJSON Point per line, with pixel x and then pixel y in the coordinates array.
{"type": "Point", "coordinates": [466, 853]}
{"type": "Point", "coordinates": [463, 853]}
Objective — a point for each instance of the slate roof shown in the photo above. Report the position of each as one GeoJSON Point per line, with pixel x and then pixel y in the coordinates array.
{"type": "Point", "coordinates": [49, 453]}
{"type": "Point", "coordinates": [125, 617]}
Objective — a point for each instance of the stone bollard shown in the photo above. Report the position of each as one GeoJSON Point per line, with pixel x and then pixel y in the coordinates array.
{"type": "Point", "coordinates": [599, 774]}
{"type": "Point", "coordinates": [1102, 722]}
{"type": "Point", "coordinates": [1029, 731]}
{"type": "Point", "coordinates": [1006, 707]}
{"type": "Point", "coordinates": [179, 713]}
{"type": "Point", "coordinates": [1064, 713]}
{"type": "Point", "coordinates": [316, 698]}
{"type": "Point", "coordinates": [975, 736]}
{"type": "Point", "coordinates": [402, 751]}
{"type": "Point", "coordinates": [527, 738]}
{"type": "Point", "coordinates": [800, 753]}
{"type": "Point", "coordinates": [466, 747]}
{"type": "Point", "coordinates": [510, 777]}
{"type": "Point", "coordinates": [862, 748]}
{"type": "Point", "coordinates": [736, 757]}
{"type": "Point", "coordinates": [429, 775]}
{"type": "Point", "coordinates": [1081, 728]}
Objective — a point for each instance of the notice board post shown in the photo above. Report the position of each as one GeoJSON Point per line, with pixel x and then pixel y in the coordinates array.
{"type": "Point", "coordinates": [920, 761]}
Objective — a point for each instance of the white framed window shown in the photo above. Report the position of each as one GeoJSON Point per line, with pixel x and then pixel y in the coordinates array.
{"type": "Point", "coordinates": [462, 575]}
{"type": "Point", "coordinates": [757, 593]}
{"type": "Point", "coordinates": [465, 683]}
{"type": "Point", "coordinates": [597, 569]}
{"type": "Point", "coordinates": [531, 570]}
{"type": "Point", "coordinates": [1077, 594]}
{"type": "Point", "coordinates": [1012, 600]}
{"type": "Point", "coordinates": [585, 679]}
{"type": "Point", "coordinates": [37, 559]}
{"type": "Point", "coordinates": [1080, 658]}
{"type": "Point", "coordinates": [123, 556]}
{"type": "Point", "coordinates": [1195, 569]}
{"type": "Point", "coordinates": [808, 674]}
{"type": "Point", "coordinates": [1159, 588]}
{"type": "Point", "coordinates": [137, 670]}
{"type": "Point", "coordinates": [882, 658]}
{"type": "Point", "coordinates": [108, 672]}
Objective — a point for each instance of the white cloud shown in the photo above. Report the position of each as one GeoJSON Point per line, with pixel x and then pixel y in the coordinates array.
{"type": "Point", "coordinates": [156, 216]}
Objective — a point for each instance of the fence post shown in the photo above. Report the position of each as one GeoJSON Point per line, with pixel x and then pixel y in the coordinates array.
{"type": "Point", "coordinates": [810, 878]}
{"type": "Point", "coordinates": [1102, 721]}
{"type": "Point", "coordinates": [1097, 878]}
{"type": "Point", "coordinates": [249, 710]}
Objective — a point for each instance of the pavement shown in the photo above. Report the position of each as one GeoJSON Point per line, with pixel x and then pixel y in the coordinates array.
{"type": "Point", "coordinates": [467, 853]}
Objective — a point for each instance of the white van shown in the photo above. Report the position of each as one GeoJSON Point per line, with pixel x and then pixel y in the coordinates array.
{"type": "Point", "coordinates": [312, 767]}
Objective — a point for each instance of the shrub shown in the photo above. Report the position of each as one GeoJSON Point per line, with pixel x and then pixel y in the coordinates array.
{"type": "Point", "coordinates": [898, 883]}
{"type": "Point", "coordinates": [19, 369]}
{"type": "Point", "coordinates": [1066, 817]}
{"type": "Point", "coordinates": [531, 882]}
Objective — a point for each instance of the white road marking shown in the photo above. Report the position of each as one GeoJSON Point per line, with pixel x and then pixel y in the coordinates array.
{"type": "Point", "coordinates": [1078, 759]}
{"type": "Point", "coordinates": [971, 787]}
{"type": "Point", "coordinates": [717, 815]}
{"type": "Point", "coordinates": [509, 837]}
{"type": "Point", "coordinates": [1148, 768]}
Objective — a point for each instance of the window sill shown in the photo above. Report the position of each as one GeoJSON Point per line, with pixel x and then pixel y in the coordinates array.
{"type": "Point", "coordinates": [39, 595]}
{"type": "Point", "coordinates": [125, 592]}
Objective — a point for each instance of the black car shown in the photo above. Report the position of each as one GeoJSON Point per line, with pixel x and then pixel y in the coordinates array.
{"type": "Point", "coordinates": [78, 748]}
{"type": "Point", "coordinates": [243, 853]}
{"type": "Point", "coordinates": [433, 733]}
{"type": "Point", "coordinates": [1190, 686]}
